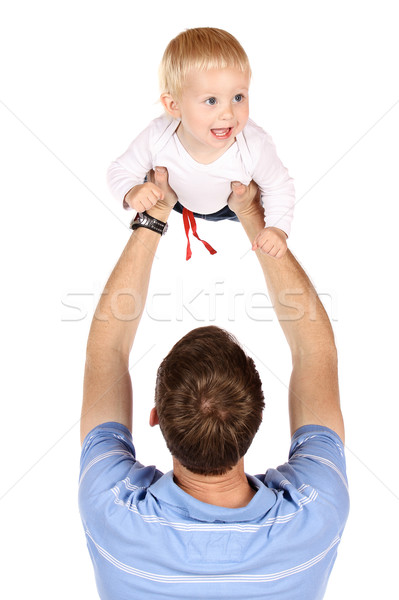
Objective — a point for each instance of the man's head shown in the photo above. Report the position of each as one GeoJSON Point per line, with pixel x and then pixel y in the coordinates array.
{"type": "Point", "coordinates": [209, 401]}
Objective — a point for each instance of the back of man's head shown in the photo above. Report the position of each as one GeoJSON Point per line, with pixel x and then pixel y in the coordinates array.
{"type": "Point", "coordinates": [209, 401]}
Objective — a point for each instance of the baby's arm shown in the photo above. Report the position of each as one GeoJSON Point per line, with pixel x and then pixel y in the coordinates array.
{"type": "Point", "coordinates": [126, 175]}
{"type": "Point", "coordinates": [277, 195]}
{"type": "Point", "coordinates": [270, 240]}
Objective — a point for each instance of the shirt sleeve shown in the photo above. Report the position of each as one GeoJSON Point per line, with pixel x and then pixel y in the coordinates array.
{"type": "Point", "coordinates": [316, 467]}
{"type": "Point", "coordinates": [131, 167]}
{"type": "Point", "coordinates": [276, 186]}
{"type": "Point", "coordinates": [108, 458]}
{"type": "Point", "coordinates": [317, 459]}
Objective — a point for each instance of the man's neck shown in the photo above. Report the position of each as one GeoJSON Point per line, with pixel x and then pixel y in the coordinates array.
{"type": "Point", "coordinates": [231, 490]}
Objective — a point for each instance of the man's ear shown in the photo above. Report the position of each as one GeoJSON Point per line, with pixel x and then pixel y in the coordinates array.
{"type": "Point", "coordinates": [170, 105]}
{"type": "Point", "coordinates": [154, 417]}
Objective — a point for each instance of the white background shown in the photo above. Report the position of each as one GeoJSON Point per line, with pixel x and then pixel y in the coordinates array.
{"type": "Point", "coordinates": [78, 82]}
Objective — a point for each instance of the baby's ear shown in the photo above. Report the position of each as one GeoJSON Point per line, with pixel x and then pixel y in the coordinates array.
{"type": "Point", "coordinates": [170, 105]}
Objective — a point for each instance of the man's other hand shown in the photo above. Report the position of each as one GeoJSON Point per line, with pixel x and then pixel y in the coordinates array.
{"type": "Point", "coordinates": [244, 200]}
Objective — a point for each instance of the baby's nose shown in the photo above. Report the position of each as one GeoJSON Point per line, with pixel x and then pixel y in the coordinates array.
{"type": "Point", "coordinates": [226, 112]}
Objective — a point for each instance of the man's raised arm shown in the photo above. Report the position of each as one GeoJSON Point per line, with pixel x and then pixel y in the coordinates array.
{"type": "Point", "coordinates": [107, 393]}
{"type": "Point", "coordinates": [313, 393]}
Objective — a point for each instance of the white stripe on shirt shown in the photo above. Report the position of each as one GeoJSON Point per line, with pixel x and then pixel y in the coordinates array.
{"type": "Point", "coordinates": [101, 457]}
{"type": "Point", "coordinates": [215, 526]}
{"type": "Point", "coordinates": [212, 578]}
{"type": "Point", "coordinates": [326, 462]}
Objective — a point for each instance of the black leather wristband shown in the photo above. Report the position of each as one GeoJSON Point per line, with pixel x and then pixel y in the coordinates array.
{"type": "Point", "coordinates": [142, 219]}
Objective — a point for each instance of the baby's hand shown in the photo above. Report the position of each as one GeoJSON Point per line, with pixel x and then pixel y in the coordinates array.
{"type": "Point", "coordinates": [271, 241]}
{"type": "Point", "coordinates": [143, 197]}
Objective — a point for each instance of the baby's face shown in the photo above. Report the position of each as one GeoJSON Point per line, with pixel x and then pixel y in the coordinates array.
{"type": "Point", "coordinates": [214, 108]}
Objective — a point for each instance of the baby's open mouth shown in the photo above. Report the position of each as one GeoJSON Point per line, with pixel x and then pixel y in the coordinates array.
{"type": "Point", "coordinates": [222, 133]}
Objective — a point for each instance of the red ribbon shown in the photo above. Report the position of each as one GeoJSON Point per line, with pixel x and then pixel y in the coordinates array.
{"type": "Point", "coordinates": [188, 219]}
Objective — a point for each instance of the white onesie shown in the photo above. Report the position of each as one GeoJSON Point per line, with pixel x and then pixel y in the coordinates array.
{"type": "Point", "coordinates": [202, 188]}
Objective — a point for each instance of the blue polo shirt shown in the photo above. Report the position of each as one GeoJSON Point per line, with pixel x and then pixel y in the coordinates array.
{"type": "Point", "coordinates": [148, 538]}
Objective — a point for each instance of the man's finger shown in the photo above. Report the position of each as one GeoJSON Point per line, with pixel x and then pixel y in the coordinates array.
{"type": "Point", "coordinates": [161, 170]}
{"type": "Point", "coordinates": [161, 175]}
{"type": "Point", "coordinates": [238, 188]}
{"type": "Point", "coordinates": [161, 179]}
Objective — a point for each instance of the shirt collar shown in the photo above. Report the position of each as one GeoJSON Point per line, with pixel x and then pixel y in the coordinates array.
{"type": "Point", "coordinates": [167, 491]}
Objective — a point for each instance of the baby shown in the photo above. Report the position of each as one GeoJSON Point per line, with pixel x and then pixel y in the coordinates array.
{"type": "Point", "coordinates": [206, 141]}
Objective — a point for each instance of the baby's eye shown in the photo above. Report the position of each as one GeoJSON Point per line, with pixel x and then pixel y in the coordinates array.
{"type": "Point", "coordinates": [210, 101]}
{"type": "Point", "coordinates": [238, 98]}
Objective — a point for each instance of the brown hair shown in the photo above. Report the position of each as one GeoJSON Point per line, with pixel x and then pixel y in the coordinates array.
{"type": "Point", "coordinates": [201, 49]}
{"type": "Point", "coordinates": [209, 400]}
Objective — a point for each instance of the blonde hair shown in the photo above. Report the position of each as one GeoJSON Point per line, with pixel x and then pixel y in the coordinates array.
{"type": "Point", "coordinates": [200, 49]}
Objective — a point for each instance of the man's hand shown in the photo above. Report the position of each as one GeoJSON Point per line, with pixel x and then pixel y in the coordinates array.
{"type": "Point", "coordinates": [271, 241]}
{"type": "Point", "coordinates": [160, 178]}
{"type": "Point", "coordinates": [156, 191]}
{"type": "Point", "coordinates": [245, 200]}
